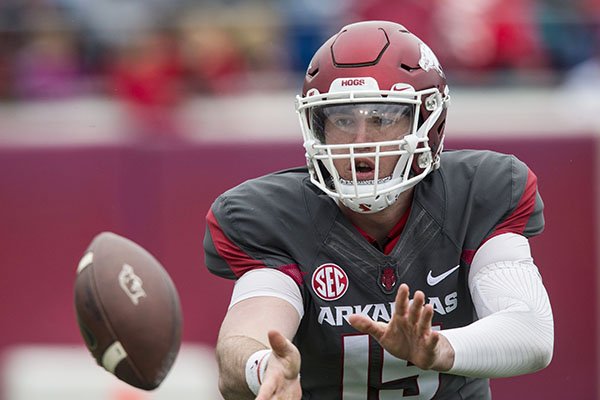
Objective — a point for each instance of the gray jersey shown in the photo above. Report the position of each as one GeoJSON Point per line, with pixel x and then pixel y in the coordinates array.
{"type": "Point", "coordinates": [282, 221]}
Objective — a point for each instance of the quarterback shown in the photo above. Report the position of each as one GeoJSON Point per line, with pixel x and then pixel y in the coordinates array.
{"type": "Point", "coordinates": [386, 268]}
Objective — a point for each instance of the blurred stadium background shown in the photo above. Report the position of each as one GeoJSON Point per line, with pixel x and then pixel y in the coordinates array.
{"type": "Point", "coordinates": [133, 115]}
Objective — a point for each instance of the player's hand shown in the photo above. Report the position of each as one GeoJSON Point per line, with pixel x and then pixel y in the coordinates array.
{"type": "Point", "coordinates": [408, 335]}
{"type": "Point", "coordinates": [282, 376]}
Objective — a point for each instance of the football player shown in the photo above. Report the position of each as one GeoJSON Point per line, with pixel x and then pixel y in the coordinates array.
{"type": "Point", "coordinates": [386, 268]}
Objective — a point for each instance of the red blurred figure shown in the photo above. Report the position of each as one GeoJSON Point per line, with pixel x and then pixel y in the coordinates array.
{"type": "Point", "coordinates": [488, 35]}
{"type": "Point", "coordinates": [478, 35]}
{"type": "Point", "coordinates": [147, 76]}
{"type": "Point", "coordinates": [417, 15]}
{"type": "Point", "coordinates": [517, 38]}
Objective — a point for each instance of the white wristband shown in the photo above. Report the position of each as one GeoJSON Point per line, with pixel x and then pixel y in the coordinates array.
{"type": "Point", "coordinates": [255, 369]}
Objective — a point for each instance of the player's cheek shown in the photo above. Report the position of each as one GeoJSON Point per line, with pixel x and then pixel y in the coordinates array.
{"type": "Point", "coordinates": [342, 166]}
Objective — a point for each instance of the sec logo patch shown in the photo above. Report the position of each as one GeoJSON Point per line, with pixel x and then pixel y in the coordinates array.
{"type": "Point", "coordinates": [329, 282]}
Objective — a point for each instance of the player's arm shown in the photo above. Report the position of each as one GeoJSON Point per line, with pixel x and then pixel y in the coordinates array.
{"type": "Point", "coordinates": [254, 351]}
{"type": "Point", "coordinates": [244, 332]}
{"type": "Point", "coordinates": [515, 332]}
{"type": "Point", "coordinates": [254, 347]}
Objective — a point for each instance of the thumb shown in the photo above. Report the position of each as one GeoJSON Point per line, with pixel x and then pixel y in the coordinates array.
{"type": "Point", "coordinates": [367, 325]}
{"type": "Point", "coordinates": [286, 353]}
{"type": "Point", "coordinates": [280, 345]}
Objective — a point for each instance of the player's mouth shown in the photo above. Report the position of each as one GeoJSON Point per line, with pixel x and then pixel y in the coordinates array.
{"type": "Point", "coordinates": [365, 169]}
{"type": "Point", "coordinates": [365, 173]}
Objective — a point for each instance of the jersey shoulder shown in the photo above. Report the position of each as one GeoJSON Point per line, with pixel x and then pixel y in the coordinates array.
{"type": "Point", "coordinates": [277, 190]}
{"type": "Point", "coordinates": [265, 222]}
{"type": "Point", "coordinates": [286, 195]}
{"type": "Point", "coordinates": [488, 177]}
{"type": "Point", "coordinates": [479, 193]}
{"type": "Point", "coordinates": [480, 167]}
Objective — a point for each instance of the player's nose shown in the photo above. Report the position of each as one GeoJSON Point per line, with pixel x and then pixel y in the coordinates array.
{"type": "Point", "coordinates": [364, 134]}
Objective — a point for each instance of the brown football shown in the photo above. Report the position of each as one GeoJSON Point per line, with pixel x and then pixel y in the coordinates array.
{"type": "Point", "coordinates": [128, 310]}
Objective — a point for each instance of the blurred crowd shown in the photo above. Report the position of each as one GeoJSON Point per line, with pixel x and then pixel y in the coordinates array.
{"type": "Point", "coordinates": [156, 53]}
{"type": "Point", "coordinates": [159, 50]}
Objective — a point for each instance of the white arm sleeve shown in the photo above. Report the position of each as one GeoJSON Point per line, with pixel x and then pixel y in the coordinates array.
{"type": "Point", "coordinates": [267, 282]}
{"type": "Point", "coordinates": [515, 332]}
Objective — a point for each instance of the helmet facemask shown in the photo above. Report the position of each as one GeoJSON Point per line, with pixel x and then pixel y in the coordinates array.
{"type": "Point", "coordinates": [365, 147]}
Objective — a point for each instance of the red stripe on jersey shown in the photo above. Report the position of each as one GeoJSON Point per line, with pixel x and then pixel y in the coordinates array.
{"type": "Point", "coordinates": [239, 261]}
{"type": "Point", "coordinates": [517, 221]}
{"type": "Point", "coordinates": [467, 256]}
{"type": "Point", "coordinates": [293, 272]}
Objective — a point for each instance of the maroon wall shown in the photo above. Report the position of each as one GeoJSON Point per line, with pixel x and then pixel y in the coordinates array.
{"type": "Point", "coordinates": [54, 200]}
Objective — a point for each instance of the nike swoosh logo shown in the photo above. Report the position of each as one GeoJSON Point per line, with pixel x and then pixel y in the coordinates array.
{"type": "Point", "coordinates": [434, 280]}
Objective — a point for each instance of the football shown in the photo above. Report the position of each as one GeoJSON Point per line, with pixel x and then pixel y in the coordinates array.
{"type": "Point", "coordinates": [128, 310]}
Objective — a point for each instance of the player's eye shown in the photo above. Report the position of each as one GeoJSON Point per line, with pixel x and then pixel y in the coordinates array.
{"type": "Point", "coordinates": [343, 122]}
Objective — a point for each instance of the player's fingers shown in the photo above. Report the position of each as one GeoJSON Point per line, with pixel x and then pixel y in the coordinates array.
{"type": "Point", "coordinates": [367, 325]}
{"type": "Point", "coordinates": [424, 323]}
{"type": "Point", "coordinates": [416, 308]}
{"type": "Point", "coordinates": [402, 301]}
{"type": "Point", "coordinates": [267, 390]}
{"type": "Point", "coordinates": [279, 386]}
{"type": "Point", "coordinates": [278, 394]}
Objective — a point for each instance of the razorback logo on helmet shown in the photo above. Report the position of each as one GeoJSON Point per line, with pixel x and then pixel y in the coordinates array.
{"type": "Point", "coordinates": [329, 282]}
{"type": "Point", "coordinates": [429, 60]}
{"type": "Point", "coordinates": [350, 84]}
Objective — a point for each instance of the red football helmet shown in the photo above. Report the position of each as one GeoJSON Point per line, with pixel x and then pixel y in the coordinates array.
{"type": "Point", "coordinates": [372, 112]}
